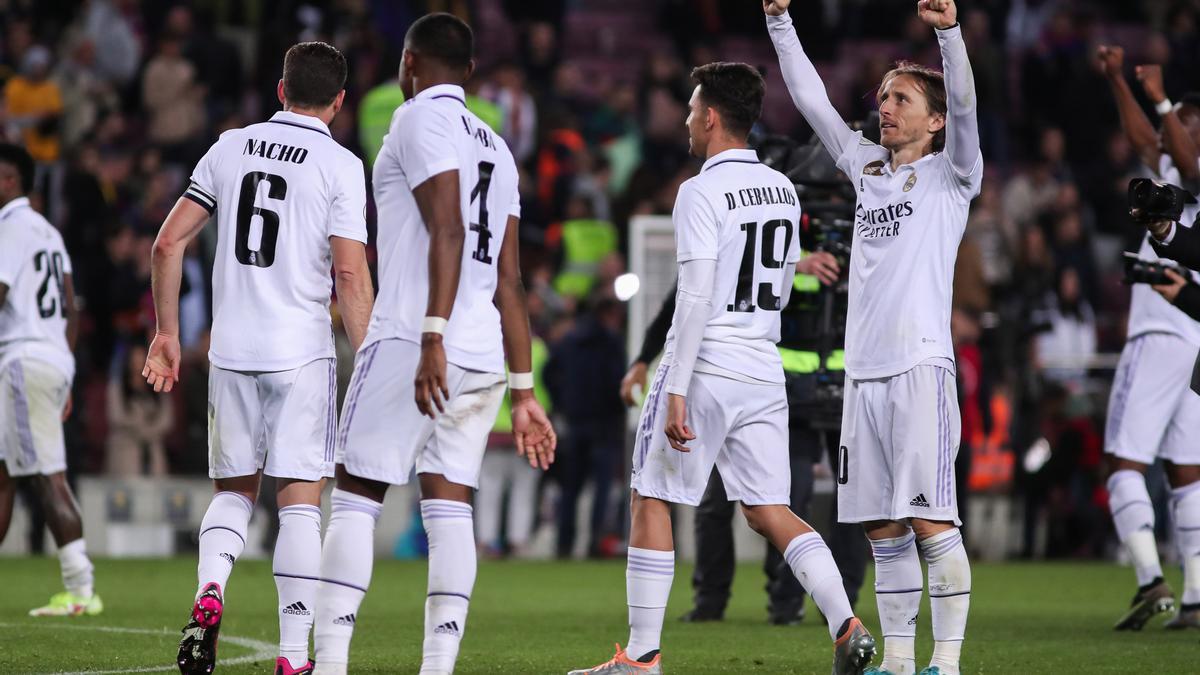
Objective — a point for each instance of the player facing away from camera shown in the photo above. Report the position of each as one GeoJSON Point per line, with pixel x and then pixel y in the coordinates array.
{"type": "Point", "coordinates": [429, 379]}
{"type": "Point", "coordinates": [1152, 411]}
{"type": "Point", "coordinates": [900, 425]}
{"type": "Point", "coordinates": [718, 397]}
{"type": "Point", "coordinates": [38, 327]}
{"type": "Point", "coordinates": [289, 201]}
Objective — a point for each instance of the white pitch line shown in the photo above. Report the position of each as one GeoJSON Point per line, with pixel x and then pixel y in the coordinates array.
{"type": "Point", "coordinates": [262, 650]}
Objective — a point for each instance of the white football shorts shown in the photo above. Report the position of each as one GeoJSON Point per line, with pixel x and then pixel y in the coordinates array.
{"type": "Point", "coordinates": [384, 437]}
{"type": "Point", "coordinates": [1152, 410]}
{"type": "Point", "coordinates": [900, 438]}
{"type": "Point", "coordinates": [283, 422]}
{"type": "Point", "coordinates": [740, 427]}
{"type": "Point", "coordinates": [32, 396]}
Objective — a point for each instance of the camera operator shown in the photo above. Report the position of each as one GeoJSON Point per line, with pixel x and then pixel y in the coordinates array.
{"type": "Point", "coordinates": [1152, 413]}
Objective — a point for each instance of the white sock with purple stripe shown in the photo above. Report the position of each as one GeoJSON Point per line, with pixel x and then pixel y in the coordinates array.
{"type": "Point", "coordinates": [347, 556]}
{"type": "Point", "coordinates": [648, 576]}
{"type": "Point", "coordinates": [949, 596]}
{"type": "Point", "coordinates": [813, 565]}
{"type": "Point", "coordinates": [297, 568]}
{"type": "Point", "coordinates": [222, 537]}
{"type": "Point", "coordinates": [451, 532]}
{"type": "Point", "coordinates": [1133, 516]}
{"type": "Point", "coordinates": [1185, 507]}
{"type": "Point", "coordinates": [898, 586]}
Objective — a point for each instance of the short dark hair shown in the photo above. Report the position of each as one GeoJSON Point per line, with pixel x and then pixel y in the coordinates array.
{"type": "Point", "coordinates": [18, 157]}
{"type": "Point", "coordinates": [313, 74]}
{"type": "Point", "coordinates": [931, 83]}
{"type": "Point", "coordinates": [735, 90]}
{"type": "Point", "coordinates": [444, 38]}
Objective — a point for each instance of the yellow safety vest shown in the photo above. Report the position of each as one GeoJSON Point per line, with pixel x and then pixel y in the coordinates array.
{"type": "Point", "coordinates": [585, 243]}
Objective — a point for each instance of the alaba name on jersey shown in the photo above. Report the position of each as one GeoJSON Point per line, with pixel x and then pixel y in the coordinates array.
{"type": "Point", "coordinates": [744, 215]}
{"type": "Point", "coordinates": [280, 190]}
{"type": "Point", "coordinates": [33, 264]}
{"type": "Point", "coordinates": [430, 134]}
{"type": "Point", "coordinates": [908, 224]}
{"type": "Point", "coordinates": [1149, 312]}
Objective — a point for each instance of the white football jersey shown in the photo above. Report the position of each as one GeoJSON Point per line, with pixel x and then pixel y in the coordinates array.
{"type": "Point", "coordinates": [1148, 311]}
{"type": "Point", "coordinates": [33, 264]}
{"type": "Point", "coordinates": [280, 190]}
{"type": "Point", "coordinates": [744, 215]}
{"type": "Point", "coordinates": [430, 134]}
{"type": "Point", "coordinates": [908, 224]}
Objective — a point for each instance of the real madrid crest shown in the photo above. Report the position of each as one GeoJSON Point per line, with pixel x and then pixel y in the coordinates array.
{"type": "Point", "coordinates": [912, 181]}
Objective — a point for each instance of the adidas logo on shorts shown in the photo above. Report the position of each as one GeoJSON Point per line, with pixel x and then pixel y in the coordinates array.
{"type": "Point", "coordinates": [919, 500]}
{"type": "Point", "coordinates": [448, 628]}
{"type": "Point", "coordinates": [347, 620]}
{"type": "Point", "coordinates": [297, 608]}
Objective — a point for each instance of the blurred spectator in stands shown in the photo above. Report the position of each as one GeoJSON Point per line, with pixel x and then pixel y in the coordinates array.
{"type": "Point", "coordinates": [583, 376]}
{"type": "Point", "coordinates": [138, 421]}
{"type": "Point", "coordinates": [1030, 192]}
{"type": "Point", "coordinates": [994, 234]}
{"type": "Point", "coordinates": [519, 113]}
{"type": "Point", "coordinates": [85, 93]}
{"type": "Point", "coordinates": [118, 49]}
{"type": "Point", "coordinates": [34, 105]}
{"type": "Point", "coordinates": [173, 100]}
{"type": "Point", "coordinates": [1069, 342]}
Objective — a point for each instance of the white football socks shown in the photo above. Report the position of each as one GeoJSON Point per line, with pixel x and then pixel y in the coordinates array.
{"type": "Point", "coordinates": [949, 596]}
{"type": "Point", "coordinates": [297, 568]}
{"type": "Point", "coordinates": [76, 568]}
{"type": "Point", "coordinates": [451, 534]}
{"type": "Point", "coordinates": [648, 576]}
{"type": "Point", "coordinates": [222, 537]}
{"type": "Point", "coordinates": [347, 556]}
{"type": "Point", "coordinates": [813, 565]}
{"type": "Point", "coordinates": [1185, 507]}
{"type": "Point", "coordinates": [898, 587]}
{"type": "Point", "coordinates": [1133, 515]}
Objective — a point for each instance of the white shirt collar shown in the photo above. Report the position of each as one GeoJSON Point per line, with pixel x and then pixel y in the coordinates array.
{"type": "Point", "coordinates": [739, 155]}
{"type": "Point", "coordinates": [443, 91]}
{"type": "Point", "coordinates": [298, 120]}
{"type": "Point", "coordinates": [13, 206]}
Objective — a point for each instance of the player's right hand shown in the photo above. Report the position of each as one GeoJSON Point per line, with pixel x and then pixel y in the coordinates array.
{"type": "Point", "coordinates": [533, 433]}
{"type": "Point", "coordinates": [1112, 59]}
{"type": "Point", "coordinates": [1151, 77]}
{"type": "Point", "coordinates": [636, 375]}
{"type": "Point", "coordinates": [431, 389]}
{"type": "Point", "coordinates": [776, 7]}
{"type": "Point", "coordinates": [162, 362]}
{"type": "Point", "coordinates": [822, 264]}
{"type": "Point", "coordinates": [677, 430]}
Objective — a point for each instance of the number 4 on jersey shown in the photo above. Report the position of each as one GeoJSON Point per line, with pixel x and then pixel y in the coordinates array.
{"type": "Point", "coordinates": [483, 246]}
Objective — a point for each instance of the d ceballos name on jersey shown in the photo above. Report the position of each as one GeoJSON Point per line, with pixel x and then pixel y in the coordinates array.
{"type": "Point", "coordinates": [881, 222]}
{"type": "Point", "coordinates": [760, 196]}
{"type": "Point", "coordinates": [277, 151]}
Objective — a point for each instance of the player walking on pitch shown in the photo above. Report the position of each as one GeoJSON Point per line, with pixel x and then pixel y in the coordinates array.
{"type": "Point", "coordinates": [900, 426]}
{"type": "Point", "coordinates": [38, 326]}
{"type": "Point", "coordinates": [718, 397]}
{"type": "Point", "coordinates": [287, 199]}
{"type": "Point", "coordinates": [441, 171]}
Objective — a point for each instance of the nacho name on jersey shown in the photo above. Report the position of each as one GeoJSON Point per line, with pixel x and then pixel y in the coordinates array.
{"type": "Point", "coordinates": [881, 222]}
{"type": "Point", "coordinates": [277, 151]}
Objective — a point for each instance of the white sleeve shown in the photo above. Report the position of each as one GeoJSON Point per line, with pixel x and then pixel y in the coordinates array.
{"type": "Point", "coordinates": [10, 259]}
{"type": "Point", "coordinates": [962, 124]}
{"type": "Point", "coordinates": [809, 95]}
{"type": "Point", "coordinates": [202, 187]}
{"type": "Point", "coordinates": [514, 209]}
{"type": "Point", "coordinates": [693, 306]}
{"type": "Point", "coordinates": [695, 223]}
{"type": "Point", "coordinates": [348, 210]}
{"type": "Point", "coordinates": [425, 145]}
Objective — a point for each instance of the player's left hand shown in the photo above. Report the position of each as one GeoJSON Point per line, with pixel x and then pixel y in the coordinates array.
{"type": "Point", "coordinates": [533, 433]}
{"type": "Point", "coordinates": [822, 265]}
{"type": "Point", "coordinates": [1151, 77]}
{"type": "Point", "coordinates": [1171, 291]}
{"type": "Point", "coordinates": [162, 362]}
{"type": "Point", "coordinates": [677, 430]}
{"type": "Point", "coordinates": [938, 13]}
{"type": "Point", "coordinates": [431, 390]}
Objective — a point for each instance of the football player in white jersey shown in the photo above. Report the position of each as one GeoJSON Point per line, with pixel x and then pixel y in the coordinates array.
{"type": "Point", "coordinates": [38, 326]}
{"type": "Point", "coordinates": [1152, 411]}
{"type": "Point", "coordinates": [901, 425]}
{"type": "Point", "coordinates": [451, 310]}
{"type": "Point", "coordinates": [718, 397]}
{"type": "Point", "coordinates": [289, 201]}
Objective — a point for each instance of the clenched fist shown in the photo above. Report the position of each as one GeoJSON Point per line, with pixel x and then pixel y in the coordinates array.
{"type": "Point", "coordinates": [940, 14]}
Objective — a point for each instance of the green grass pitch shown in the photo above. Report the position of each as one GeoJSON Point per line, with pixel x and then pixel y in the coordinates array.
{"type": "Point", "coordinates": [529, 617]}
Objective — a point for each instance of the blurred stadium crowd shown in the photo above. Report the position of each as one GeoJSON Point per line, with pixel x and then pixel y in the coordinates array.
{"type": "Point", "coordinates": [117, 99]}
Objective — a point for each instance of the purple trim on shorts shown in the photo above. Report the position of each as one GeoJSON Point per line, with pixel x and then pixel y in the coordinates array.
{"type": "Point", "coordinates": [1121, 392]}
{"type": "Point", "coordinates": [358, 378]}
{"type": "Point", "coordinates": [649, 415]}
{"type": "Point", "coordinates": [632, 566]}
{"type": "Point", "coordinates": [21, 409]}
{"type": "Point", "coordinates": [342, 583]}
{"type": "Point", "coordinates": [331, 418]}
{"type": "Point", "coordinates": [941, 449]}
{"type": "Point", "coordinates": [948, 485]}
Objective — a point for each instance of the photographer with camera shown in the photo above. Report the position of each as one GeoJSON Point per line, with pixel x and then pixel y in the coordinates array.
{"type": "Point", "coordinates": [1152, 413]}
